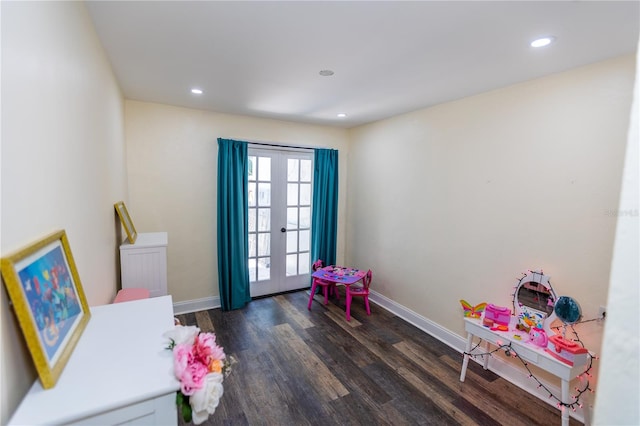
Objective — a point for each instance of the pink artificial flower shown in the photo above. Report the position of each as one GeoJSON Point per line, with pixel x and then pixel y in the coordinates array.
{"type": "Point", "coordinates": [188, 369]}
{"type": "Point", "coordinates": [183, 356]}
{"type": "Point", "coordinates": [193, 378]}
{"type": "Point", "coordinates": [206, 350]}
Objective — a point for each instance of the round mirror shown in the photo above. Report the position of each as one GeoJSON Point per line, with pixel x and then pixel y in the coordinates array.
{"type": "Point", "coordinates": [534, 301]}
{"type": "Point", "coordinates": [535, 295]}
{"type": "Point", "coordinates": [568, 310]}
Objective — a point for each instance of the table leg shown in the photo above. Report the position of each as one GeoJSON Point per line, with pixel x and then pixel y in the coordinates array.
{"type": "Point", "coordinates": [487, 349]}
{"type": "Point", "coordinates": [565, 398]}
{"type": "Point", "coordinates": [465, 359]}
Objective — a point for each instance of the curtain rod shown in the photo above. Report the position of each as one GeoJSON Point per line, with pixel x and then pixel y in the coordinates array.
{"type": "Point", "coordinates": [280, 145]}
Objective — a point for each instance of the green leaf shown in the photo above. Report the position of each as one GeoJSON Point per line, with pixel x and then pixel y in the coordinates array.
{"type": "Point", "coordinates": [186, 412]}
{"type": "Point", "coordinates": [182, 401]}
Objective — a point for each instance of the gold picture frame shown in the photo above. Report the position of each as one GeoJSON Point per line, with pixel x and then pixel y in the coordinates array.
{"type": "Point", "coordinates": [126, 221]}
{"type": "Point", "coordinates": [47, 296]}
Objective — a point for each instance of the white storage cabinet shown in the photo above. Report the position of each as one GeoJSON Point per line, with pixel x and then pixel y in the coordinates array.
{"type": "Point", "coordinates": [144, 263]}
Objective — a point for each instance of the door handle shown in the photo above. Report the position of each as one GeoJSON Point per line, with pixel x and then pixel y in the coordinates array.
{"type": "Point", "coordinates": [283, 229]}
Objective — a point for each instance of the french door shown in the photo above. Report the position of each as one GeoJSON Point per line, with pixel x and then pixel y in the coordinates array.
{"type": "Point", "coordinates": [280, 183]}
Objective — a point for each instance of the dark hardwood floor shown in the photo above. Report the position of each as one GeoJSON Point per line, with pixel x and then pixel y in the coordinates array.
{"type": "Point", "coordinates": [301, 367]}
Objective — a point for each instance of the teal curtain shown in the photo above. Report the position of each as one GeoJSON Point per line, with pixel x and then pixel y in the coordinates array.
{"type": "Point", "coordinates": [233, 223]}
{"type": "Point", "coordinates": [324, 221]}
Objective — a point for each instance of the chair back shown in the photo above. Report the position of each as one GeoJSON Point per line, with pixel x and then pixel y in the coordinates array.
{"type": "Point", "coordinates": [366, 281]}
{"type": "Point", "coordinates": [318, 264]}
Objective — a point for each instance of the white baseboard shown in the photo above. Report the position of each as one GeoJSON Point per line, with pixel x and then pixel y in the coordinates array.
{"type": "Point", "coordinates": [508, 371]}
{"type": "Point", "coordinates": [196, 305]}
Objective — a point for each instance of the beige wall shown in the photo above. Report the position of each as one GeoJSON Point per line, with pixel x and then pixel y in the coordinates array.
{"type": "Point", "coordinates": [62, 156]}
{"type": "Point", "coordinates": [172, 157]}
{"type": "Point", "coordinates": [455, 201]}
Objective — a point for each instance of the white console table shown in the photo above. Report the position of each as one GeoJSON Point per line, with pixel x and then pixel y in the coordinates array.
{"type": "Point", "coordinates": [529, 352]}
{"type": "Point", "coordinates": [119, 373]}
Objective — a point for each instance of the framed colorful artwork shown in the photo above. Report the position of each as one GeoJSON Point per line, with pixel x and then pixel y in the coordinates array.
{"type": "Point", "coordinates": [126, 221]}
{"type": "Point", "coordinates": [44, 287]}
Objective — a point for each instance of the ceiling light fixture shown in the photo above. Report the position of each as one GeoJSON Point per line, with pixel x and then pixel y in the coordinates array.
{"type": "Point", "coordinates": [342, 115]}
{"type": "Point", "coordinates": [543, 41]}
{"type": "Point", "coordinates": [196, 91]}
{"type": "Point", "coordinates": [326, 73]}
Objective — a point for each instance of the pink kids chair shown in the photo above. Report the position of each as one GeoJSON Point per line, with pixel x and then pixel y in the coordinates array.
{"type": "Point", "coordinates": [361, 290]}
{"type": "Point", "coordinates": [327, 286]}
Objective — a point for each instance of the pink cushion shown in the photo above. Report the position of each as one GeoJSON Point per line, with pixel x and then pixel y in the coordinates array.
{"type": "Point", "coordinates": [128, 294]}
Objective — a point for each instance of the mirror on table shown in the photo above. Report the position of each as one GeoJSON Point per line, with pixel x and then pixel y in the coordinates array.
{"type": "Point", "coordinates": [534, 301]}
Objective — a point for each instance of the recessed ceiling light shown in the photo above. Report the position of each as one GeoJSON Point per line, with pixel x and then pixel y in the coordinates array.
{"type": "Point", "coordinates": [196, 91]}
{"type": "Point", "coordinates": [326, 73]}
{"type": "Point", "coordinates": [342, 115]}
{"type": "Point", "coordinates": [543, 41]}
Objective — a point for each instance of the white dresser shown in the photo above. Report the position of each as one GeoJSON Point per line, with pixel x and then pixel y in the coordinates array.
{"type": "Point", "coordinates": [144, 263]}
{"type": "Point", "coordinates": [119, 373]}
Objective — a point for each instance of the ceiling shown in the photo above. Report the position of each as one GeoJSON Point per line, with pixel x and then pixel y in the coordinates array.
{"type": "Point", "coordinates": [263, 58]}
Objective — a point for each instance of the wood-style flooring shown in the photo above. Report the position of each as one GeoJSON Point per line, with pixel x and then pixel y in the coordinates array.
{"type": "Point", "coordinates": [301, 367]}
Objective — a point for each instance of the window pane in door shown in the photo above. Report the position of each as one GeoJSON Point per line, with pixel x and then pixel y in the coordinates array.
{"type": "Point", "coordinates": [252, 168]}
{"type": "Point", "coordinates": [264, 168]}
{"type": "Point", "coordinates": [264, 194]}
{"type": "Point", "coordinates": [252, 269]}
{"type": "Point", "coordinates": [303, 263]}
{"type": "Point", "coordinates": [305, 217]}
{"type": "Point", "coordinates": [252, 194]}
{"type": "Point", "coordinates": [264, 219]}
{"type": "Point", "coordinates": [292, 218]}
{"type": "Point", "coordinates": [252, 245]}
{"type": "Point", "coordinates": [292, 194]}
{"type": "Point", "coordinates": [252, 220]}
{"type": "Point", "coordinates": [305, 170]}
{"type": "Point", "coordinates": [305, 194]}
{"type": "Point", "coordinates": [264, 268]}
{"type": "Point", "coordinates": [292, 264]}
{"type": "Point", "coordinates": [304, 240]}
{"type": "Point", "coordinates": [264, 244]}
{"type": "Point", "coordinates": [292, 169]}
{"type": "Point", "coordinates": [292, 241]}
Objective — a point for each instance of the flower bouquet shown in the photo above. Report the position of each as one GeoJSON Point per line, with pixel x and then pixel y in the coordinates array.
{"type": "Point", "coordinates": [200, 365]}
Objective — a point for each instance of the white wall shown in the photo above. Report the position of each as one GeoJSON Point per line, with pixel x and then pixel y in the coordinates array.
{"type": "Point", "coordinates": [62, 156]}
{"type": "Point", "coordinates": [455, 201]}
{"type": "Point", "coordinates": [172, 157]}
{"type": "Point", "coordinates": [618, 393]}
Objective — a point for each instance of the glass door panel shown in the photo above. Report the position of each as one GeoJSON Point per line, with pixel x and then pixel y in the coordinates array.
{"type": "Point", "coordinates": [279, 220]}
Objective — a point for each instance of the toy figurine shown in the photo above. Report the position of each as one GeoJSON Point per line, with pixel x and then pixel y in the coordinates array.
{"type": "Point", "coordinates": [538, 337]}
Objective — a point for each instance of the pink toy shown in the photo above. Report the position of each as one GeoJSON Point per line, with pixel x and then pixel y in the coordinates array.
{"type": "Point", "coordinates": [539, 337]}
{"type": "Point", "coordinates": [565, 350]}
{"type": "Point", "coordinates": [497, 314]}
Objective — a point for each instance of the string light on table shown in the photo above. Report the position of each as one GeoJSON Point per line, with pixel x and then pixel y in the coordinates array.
{"type": "Point", "coordinates": [510, 352]}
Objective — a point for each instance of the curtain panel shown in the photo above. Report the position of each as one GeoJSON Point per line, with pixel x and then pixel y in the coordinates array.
{"type": "Point", "coordinates": [324, 220]}
{"type": "Point", "coordinates": [233, 223]}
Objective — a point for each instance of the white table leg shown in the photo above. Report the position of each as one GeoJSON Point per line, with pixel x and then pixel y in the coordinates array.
{"type": "Point", "coordinates": [465, 359]}
{"type": "Point", "coordinates": [565, 398]}
{"type": "Point", "coordinates": [487, 348]}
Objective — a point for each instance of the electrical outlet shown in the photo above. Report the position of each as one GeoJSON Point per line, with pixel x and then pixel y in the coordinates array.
{"type": "Point", "coordinates": [602, 312]}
